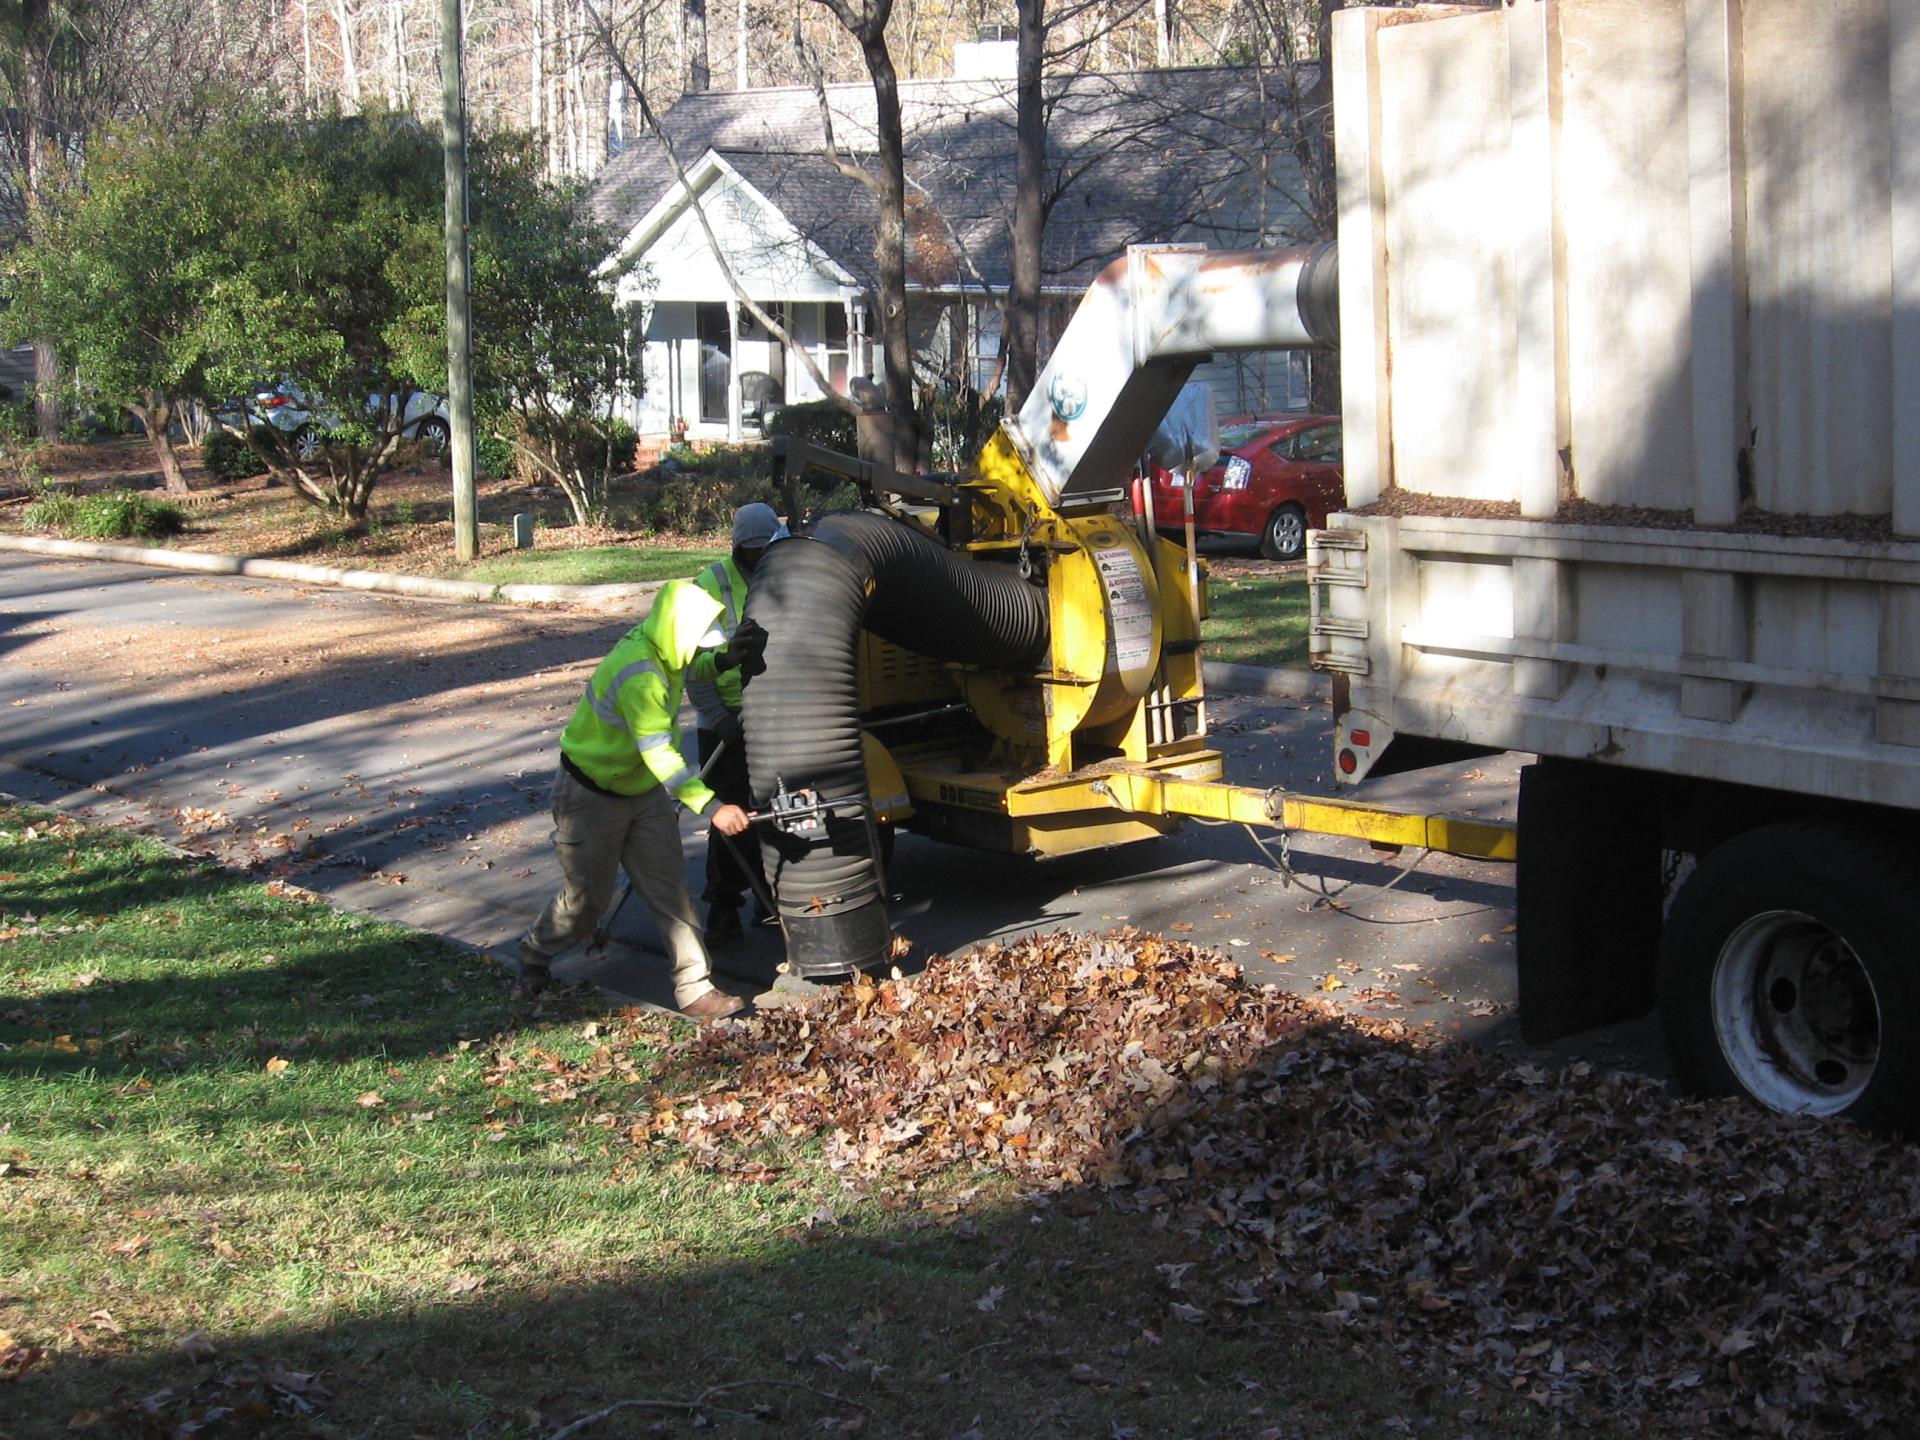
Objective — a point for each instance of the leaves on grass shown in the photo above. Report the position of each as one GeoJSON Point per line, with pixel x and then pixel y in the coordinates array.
{"type": "Point", "coordinates": [276, 1065]}
{"type": "Point", "coordinates": [17, 1357]}
{"type": "Point", "coordinates": [224, 1402]}
{"type": "Point", "coordinates": [196, 1345]}
{"type": "Point", "coordinates": [1576, 1237]}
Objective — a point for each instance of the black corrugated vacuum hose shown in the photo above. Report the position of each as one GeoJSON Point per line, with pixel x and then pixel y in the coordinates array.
{"type": "Point", "coordinates": [814, 594]}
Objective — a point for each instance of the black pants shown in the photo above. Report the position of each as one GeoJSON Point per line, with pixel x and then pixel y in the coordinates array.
{"type": "Point", "coordinates": [727, 880]}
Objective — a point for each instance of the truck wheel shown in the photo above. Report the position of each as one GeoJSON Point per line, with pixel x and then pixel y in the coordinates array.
{"type": "Point", "coordinates": [1787, 974]}
{"type": "Point", "coordinates": [1285, 537]}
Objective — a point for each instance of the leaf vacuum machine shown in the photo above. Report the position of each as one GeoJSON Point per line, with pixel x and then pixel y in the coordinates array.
{"type": "Point", "coordinates": [1011, 659]}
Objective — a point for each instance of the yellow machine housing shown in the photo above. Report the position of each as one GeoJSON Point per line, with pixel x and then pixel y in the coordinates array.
{"type": "Point", "coordinates": [1106, 741]}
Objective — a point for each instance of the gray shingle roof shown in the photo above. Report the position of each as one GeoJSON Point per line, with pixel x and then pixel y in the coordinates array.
{"type": "Point", "coordinates": [1145, 156]}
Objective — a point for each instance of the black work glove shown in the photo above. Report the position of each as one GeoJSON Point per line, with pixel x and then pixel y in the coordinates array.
{"type": "Point", "coordinates": [745, 651]}
{"type": "Point", "coordinates": [728, 731]}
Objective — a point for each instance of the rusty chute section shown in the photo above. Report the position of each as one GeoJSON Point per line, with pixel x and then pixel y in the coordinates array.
{"type": "Point", "coordinates": [1146, 323]}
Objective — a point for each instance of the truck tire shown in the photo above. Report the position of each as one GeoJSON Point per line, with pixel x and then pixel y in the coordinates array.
{"type": "Point", "coordinates": [1787, 974]}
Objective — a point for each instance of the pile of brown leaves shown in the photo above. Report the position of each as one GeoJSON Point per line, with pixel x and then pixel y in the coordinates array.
{"type": "Point", "coordinates": [1579, 1237]}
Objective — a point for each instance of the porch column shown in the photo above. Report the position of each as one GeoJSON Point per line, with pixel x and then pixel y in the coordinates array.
{"type": "Point", "coordinates": [859, 357]}
{"type": "Point", "coordinates": [733, 369]}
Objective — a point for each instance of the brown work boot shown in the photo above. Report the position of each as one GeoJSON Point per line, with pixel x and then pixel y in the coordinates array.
{"type": "Point", "coordinates": [714, 1005]}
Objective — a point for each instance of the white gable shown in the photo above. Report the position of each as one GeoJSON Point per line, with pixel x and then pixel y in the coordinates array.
{"type": "Point", "coordinates": [769, 256]}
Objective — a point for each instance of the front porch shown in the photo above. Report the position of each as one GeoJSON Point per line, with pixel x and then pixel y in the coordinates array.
{"type": "Point", "coordinates": [712, 372]}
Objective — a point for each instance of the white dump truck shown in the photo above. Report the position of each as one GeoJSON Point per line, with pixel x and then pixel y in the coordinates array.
{"type": "Point", "coordinates": [1630, 320]}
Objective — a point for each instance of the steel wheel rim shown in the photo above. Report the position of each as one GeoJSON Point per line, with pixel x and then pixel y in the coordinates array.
{"type": "Point", "coordinates": [1796, 1014]}
{"type": "Point", "coordinates": [1287, 531]}
{"type": "Point", "coordinates": [308, 446]}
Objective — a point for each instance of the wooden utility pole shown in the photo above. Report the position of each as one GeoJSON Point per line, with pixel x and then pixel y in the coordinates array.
{"type": "Point", "coordinates": [453, 111]}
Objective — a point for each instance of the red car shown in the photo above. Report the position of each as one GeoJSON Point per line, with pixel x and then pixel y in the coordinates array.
{"type": "Point", "coordinates": [1276, 477]}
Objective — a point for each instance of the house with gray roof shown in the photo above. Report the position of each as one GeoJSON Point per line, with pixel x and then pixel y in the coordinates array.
{"type": "Point", "coordinates": [1139, 157]}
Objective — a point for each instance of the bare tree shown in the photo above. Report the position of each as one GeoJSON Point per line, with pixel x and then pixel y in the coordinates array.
{"type": "Point", "coordinates": [35, 160]}
{"type": "Point", "coordinates": [616, 55]}
{"type": "Point", "coordinates": [699, 75]}
{"type": "Point", "coordinates": [886, 181]}
{"type": "Point", "coordinates": [1022, 308]}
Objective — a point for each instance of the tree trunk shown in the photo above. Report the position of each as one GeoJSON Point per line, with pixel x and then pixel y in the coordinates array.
{"type": "Point", "coordinates": [740, 48]}
{"type": "Point", "coordinates": [156, 415]}
{"type": "Point", "coordinates": [349, 67]}
{"type": "Point", "coordinates": [1163, 33]}
{"type": "Point", "coordinates": [890, 249]}
{"type": "Point", "coordinates": [1022, 329]}
{"type": "Point", "coordinates": [1315, 119]}
{"type": "Point", "coordinates": [698, 76]}
{"type": "Point", "coordinates": [36, 35]}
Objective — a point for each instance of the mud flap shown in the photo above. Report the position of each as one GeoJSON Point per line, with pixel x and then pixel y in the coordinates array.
{"type": "Point", "coordinates": [1588, 892]}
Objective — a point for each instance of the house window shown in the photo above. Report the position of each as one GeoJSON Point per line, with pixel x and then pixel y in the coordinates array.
{"type": "Point", "coordinates": [716, 361]}
{"type": "Point", "coordinates": [834, 329]}
{"type": "Point", "coordinates": [984, 339]}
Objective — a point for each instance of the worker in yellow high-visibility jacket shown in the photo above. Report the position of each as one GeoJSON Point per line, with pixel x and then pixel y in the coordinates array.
{"type": "Point", "coordinates": [621, 771]}
{"type": "Point", "coordinates": [731, 870]}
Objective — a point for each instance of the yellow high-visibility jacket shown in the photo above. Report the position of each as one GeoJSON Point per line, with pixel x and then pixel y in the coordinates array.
{"type": "Point", "coordinates": [622, 735]}
{"type": "Point", "coordinates": [712, 699]}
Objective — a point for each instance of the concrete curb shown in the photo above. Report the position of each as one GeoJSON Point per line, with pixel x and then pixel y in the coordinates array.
{"type": "Point", "coordinates": [1272, 684]}
{"type": "Point", "coordinates": [1222, 675]}
{"type": "Point", "coordinates": [595, 597]}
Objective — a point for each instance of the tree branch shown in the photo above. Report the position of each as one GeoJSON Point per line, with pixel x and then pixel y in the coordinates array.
{"type": "Point", "coordinates": [611, 45]}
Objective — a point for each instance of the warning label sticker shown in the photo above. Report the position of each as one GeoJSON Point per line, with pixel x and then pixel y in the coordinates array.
{"type": "Point", "coordinates": [1129, 613]}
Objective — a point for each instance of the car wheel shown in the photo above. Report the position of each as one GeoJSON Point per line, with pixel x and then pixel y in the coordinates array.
{"type": "Point", "coordinates": [1285, 537]}
{"type": "Point", "coordinates": [434, 433]}
{"type": "Point", "coordinates": [307, 444]}
{"type": "Point", "coordinates": [1787, 975]}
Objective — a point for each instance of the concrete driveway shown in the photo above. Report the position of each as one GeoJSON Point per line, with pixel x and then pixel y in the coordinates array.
{"type": "Point", "coordinates": [394, 755]}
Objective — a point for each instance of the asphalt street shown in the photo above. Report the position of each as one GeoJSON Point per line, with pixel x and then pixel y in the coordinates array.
{"type": "Point", "coordinates": [394, 755]}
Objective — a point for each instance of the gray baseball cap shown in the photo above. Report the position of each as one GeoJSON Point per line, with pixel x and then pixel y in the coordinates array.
{"type": "Point", "coordinates": [756, 526]}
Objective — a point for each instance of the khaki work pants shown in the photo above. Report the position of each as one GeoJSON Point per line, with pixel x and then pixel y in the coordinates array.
{"type": "Point", "coordinates": [595, 836]}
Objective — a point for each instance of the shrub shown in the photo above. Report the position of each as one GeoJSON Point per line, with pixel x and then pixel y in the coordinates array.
{"type": "Point", "coordinates": [52, 509]}
{"type": "Point", "coordinates": [626, 443]}
{"type": "Point", "coordinates": [493, 456]}
{"type": "Point", "coordinates": [122, 514]}
{"type": "Point", "coordinates": [959, 424]}
{"type": "Point", "coordinates": [819, 422]}
{"type": "Point", "coordinates": [226, 456]}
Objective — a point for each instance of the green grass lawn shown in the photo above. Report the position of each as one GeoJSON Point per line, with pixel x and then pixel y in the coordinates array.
{"type": "Point", "coordinates": [1257, 620]}
{"type": "Point", "coordinates": [262, 1158]}
{"type": "Point", "coordinates": [597, 565]}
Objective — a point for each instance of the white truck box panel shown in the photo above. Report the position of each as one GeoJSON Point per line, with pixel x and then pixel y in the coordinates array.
{"type": "Point", "coordinates": [1636, 255]}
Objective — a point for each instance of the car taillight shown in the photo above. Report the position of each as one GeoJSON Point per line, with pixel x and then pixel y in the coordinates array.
{"type": "Point", "coordinates": [1239, 472]}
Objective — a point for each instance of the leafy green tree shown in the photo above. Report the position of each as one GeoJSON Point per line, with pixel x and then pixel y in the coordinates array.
{"type": "Point", "coordinates": [118, 272]}
{"type": "Point", "coordinates": [308, 250]}
{"type": "Point", "coordinates": [205, 264]}
{"type": "Point", "coordinates": [323, 276]}
{"type": "Point", "coordinates": [552, 325]}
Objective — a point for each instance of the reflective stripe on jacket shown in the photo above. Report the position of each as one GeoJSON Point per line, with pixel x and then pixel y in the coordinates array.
{"type": "Point", "coordinates": [713, 699]}
{"type": "Point", "coordinates": [622, 731]}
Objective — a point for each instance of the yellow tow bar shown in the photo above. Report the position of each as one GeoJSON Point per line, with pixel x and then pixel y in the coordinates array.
{"type": "Point", "coordinates": [1150, 793]}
